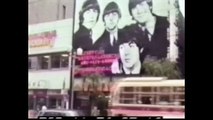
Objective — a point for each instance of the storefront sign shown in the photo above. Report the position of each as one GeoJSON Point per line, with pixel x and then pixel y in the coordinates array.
{"type": "Point", "coordinates": [37, 84]}
{"type": "Point", "coordinates": [42, 40]}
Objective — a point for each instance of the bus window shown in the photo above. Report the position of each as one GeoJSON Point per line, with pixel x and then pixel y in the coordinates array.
{"type": "Point", "coordinates": [128, 89]}
{"type": "Point", "coordinates": [165, 89]}
{"type": "Point", "coordinates": [164, 100]}
{"type": "Point", "coordinates": [126, 97]}
{"type": "Point", "coordinates": [146, 100]}
{"type": "Point", "coordinates": [164, 95]}
{"type": "Point", "coordinates": [179, 89]}
{"type": "Point", "coordinates": [146, 89]}
{"type": "Point", "coordinates": [179, 99]}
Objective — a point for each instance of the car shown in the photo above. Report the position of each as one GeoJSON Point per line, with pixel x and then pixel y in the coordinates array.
{"type": "Point", "coordinates": [59, 112]}
{"type": "Point", "coordinates": [32, 113]}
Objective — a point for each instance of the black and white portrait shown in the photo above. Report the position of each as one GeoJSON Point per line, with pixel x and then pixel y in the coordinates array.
{"type": "Point", "coordinates": [88, 17]}
{"type": "Point", "coordinates": [129, 61]}
{"type": "Point", "coordinates": [135, 30]}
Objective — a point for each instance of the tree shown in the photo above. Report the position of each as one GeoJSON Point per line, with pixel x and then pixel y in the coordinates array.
{"type": "Point", "coordinates": [161, 68]}
{"type": "Point", "coordinates": [97, 98]}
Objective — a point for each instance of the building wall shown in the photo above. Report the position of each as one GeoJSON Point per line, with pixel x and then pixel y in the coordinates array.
{"type": "Point", "coordinates": [50, 78]}
{"type": "Point", "coordinates": [46, 79]}
{"type": "Point", "coordinates": [49, 10]}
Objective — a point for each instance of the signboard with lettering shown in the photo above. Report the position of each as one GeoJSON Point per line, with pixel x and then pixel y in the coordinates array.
{"type": "Point", "coordinates": [42, 40]}
{"type": "Point", "coordinates": [48, 37]}
{"type": "Point", "coordinates": [39, 84]}
{"type": "Point", "coordinates": [94, 62]}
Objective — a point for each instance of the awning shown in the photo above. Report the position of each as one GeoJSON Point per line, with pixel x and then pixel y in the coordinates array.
{"type": "Point", "coordinates": [46, 51]}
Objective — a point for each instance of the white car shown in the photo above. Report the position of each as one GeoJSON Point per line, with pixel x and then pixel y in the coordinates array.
{"type": "Point", "coordinates": [60, 112]}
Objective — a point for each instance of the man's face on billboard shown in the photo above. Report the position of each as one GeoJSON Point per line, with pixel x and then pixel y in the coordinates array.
{"type": "Point", "coordinates": [129, 54]}
{"type": "Point", "coordinates": [90, 17]}
{"type": "Point", "coordinates": [111, 20]}
{"type": "Point", "coordinates": [141, 12]}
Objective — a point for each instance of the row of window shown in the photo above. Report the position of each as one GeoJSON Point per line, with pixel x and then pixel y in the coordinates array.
{"type": "Point", "coordinates": [153, 99]}
{"type": "Point", "coordinates": [39, 102]}
{"type": "Point", "coordinates": [152, 95]}
{"type": "Point", "coordinates": [153, 89]}
{"type": "Point", "coordinates": [50, 61]}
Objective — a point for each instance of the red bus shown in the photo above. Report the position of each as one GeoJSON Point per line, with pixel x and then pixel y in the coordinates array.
{"type": "Point", "coordinates": [149, 96]}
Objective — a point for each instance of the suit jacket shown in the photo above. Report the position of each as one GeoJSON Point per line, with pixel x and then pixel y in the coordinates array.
{"type": "Point", "coordinates": [158, 46]}
{"type": "Point", "coordinates": [103, 43]}
{"type": "Point", "coordinates": [82, 39]}
{"type": "Point", "coordinates": [181, 44]}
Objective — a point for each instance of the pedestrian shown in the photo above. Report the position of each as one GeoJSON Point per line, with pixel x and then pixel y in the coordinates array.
{"type": "Point", "coordinates": [95, 111]}
{"type": "Point", "coordinates": [44, 107]}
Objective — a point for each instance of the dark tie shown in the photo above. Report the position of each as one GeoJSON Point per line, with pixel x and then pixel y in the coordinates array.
{"type": "Point", "coordinates": [114, 41]}
{"type": "Point", "coordinates": [146, 34]}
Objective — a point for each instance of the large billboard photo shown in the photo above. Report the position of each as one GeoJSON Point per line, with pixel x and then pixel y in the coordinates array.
{"type": "Point", "coordinates": [118, 36]}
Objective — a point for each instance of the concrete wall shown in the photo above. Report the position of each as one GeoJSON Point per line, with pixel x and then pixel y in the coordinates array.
{"type": "Point", "coordinates": [49, 10]}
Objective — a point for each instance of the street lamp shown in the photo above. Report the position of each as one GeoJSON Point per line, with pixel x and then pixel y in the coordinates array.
{"type": "Point", "coordinates": [73, 56]}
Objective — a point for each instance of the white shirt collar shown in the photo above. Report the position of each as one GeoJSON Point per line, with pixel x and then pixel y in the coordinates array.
{"type": "Point", "coordinates": [150, 26]}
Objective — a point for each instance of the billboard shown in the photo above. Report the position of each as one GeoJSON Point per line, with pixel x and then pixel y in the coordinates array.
{"type": "Point", "coordinates": [118, 36]}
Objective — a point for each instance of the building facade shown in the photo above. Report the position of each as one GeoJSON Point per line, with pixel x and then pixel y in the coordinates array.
{"type": "Point", "coordinates": [48, 64]}
{"type": "Point", "coordinates": [50, 45]}
{"type": "Point", "coordinates": [41, 11]}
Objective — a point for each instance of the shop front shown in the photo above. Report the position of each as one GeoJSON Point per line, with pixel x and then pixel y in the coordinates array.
{"type": "Point", "coordinates": [83, 90]}
{"type": "Point", "coordinates": [50, 98]}
{"type": "Point", "coordinates": [49, 89]}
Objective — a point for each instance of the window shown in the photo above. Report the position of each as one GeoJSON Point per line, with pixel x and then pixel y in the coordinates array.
{"type": "Point", "coordinates": [128, 89]}
{"type": "Point", "coordinates": [146, 100]}
{"type": "Point", "coordinates": [29, 63]}
{"type": "Point", "coordinates": [179, 89]}
{"type": "Point", "coordinates": [146, 89]}
{"type": "Point", "coordinates": [165, 89]}
{"type": "Point", "coordinates": [55, 61]}
{"type": "Point", "coordinates": [33, 62]}
{"type": "Point", "coordinates": [126, 95]}
{"type": "Point", "coordinates": [164, 99]}
{"type": "Point", "coordinates": [164, 96]}
{"type": "Point", "coordinates": [44, 62]}
{"type": "Point", "coordinates": [179, 98]}
{"type": "Point", "coordinates": [52, 103]}
{"type": "Point", "coordinates": [64, 60]}
{"type": "Point", "coordinates": [64, 11]}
